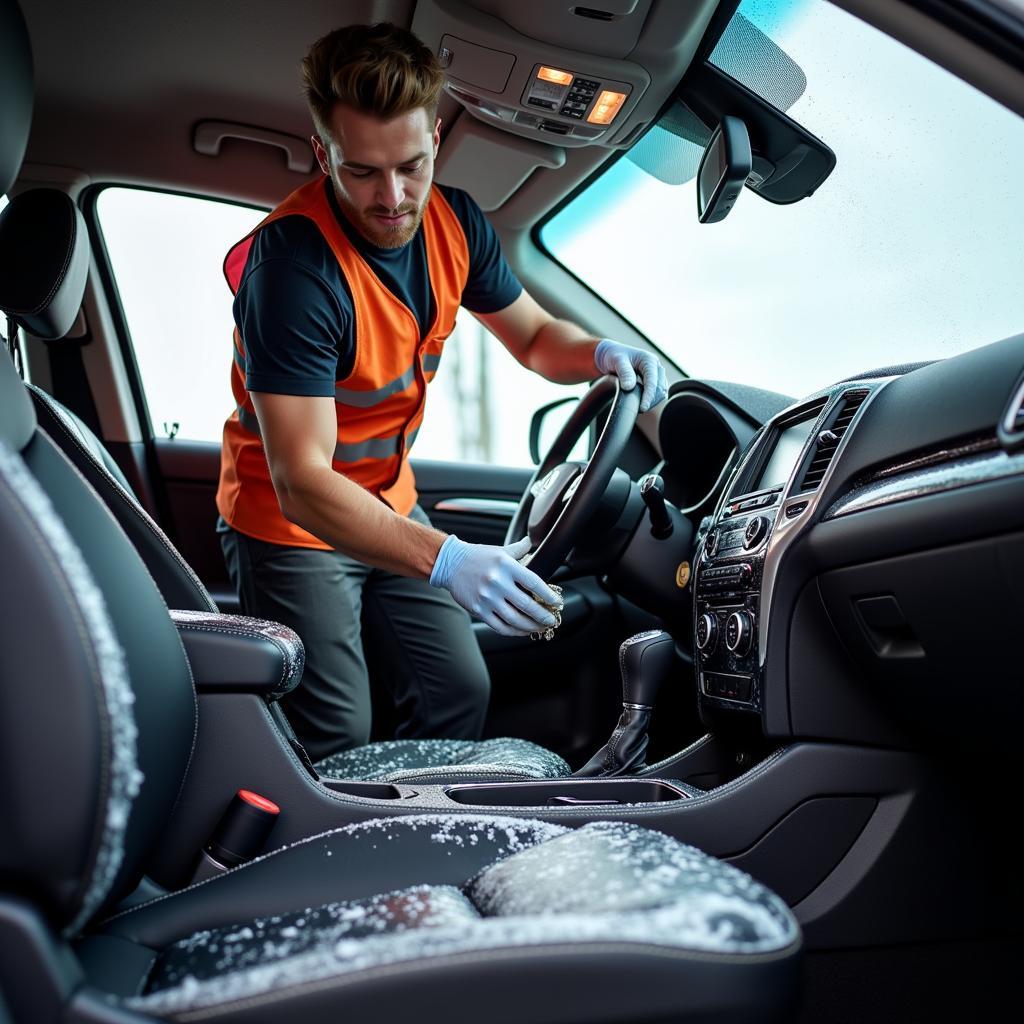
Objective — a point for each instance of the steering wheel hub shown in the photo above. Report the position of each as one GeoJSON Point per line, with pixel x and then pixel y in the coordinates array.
{"type": "Point", "coordinates": [550, 493]}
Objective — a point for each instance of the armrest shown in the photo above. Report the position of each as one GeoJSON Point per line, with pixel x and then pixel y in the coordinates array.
{"type": "Point", "coordinates": [238, 654]}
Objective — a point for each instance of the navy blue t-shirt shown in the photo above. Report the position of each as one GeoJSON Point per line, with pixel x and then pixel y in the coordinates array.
{"type": "Point", "coordinates": [294, 306]}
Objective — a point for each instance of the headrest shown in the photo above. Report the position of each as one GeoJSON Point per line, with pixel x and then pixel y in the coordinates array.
{"type": "Point", "coordinates": [15, 91]}
{"type": "Point", "coordinates": [44, 261]}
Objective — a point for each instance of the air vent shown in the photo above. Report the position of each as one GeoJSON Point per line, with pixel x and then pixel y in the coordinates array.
{"type": "Point", "coordinates": [556, 127]}
{"type": "Point", "coordinates": [829, 438]}
{"type": "Point", "coordinates": [594, 14]}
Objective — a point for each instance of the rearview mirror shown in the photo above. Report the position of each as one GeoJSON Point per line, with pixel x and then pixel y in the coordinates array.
{"type": "Point", "coordinates": [723, 170]}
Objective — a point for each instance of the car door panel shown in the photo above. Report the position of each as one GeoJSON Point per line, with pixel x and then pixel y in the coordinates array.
{"type": "Point", "coordinates": [189, 471]}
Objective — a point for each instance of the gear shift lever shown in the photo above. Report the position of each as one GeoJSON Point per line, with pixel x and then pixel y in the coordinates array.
{"type": "Point", "coordinates": [644, 661]}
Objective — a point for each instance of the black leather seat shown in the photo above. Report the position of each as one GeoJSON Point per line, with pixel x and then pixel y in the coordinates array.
{"type": "Point", "coordinates": [50, 222]}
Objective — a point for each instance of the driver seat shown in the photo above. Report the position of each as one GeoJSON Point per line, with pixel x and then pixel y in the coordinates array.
{"type": "Point", "coordinates": [47, 222]}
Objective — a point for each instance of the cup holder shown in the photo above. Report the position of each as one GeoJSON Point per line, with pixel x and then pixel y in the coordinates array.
{"type": "Point", "coordinates": [566, 793]}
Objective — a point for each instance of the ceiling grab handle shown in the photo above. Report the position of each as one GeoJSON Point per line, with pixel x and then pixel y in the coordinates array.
{"type": "Point", "coordinates": [209, 135]}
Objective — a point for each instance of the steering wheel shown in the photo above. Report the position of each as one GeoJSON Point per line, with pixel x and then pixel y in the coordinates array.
{"type": "Point", "coordinates": [562, 497]}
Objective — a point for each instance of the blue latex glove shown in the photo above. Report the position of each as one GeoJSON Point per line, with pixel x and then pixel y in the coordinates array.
{"type": "Point", "coordinates": [489, 583]}
{"type": "Point", "coordinates": [627, 364]}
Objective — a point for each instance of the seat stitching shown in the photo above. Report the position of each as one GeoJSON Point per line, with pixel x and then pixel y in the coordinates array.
{"type": "Point", "coordinates": [145, 568]}
{"type": "Point", "coordinates": [484, 956]}
{"type": "Point", "coordinates": [701, 741]}
{"type": "Point", "coordinates": [253, 634]}
{"type": "Point", "coordinates": [68, 253]}
{"type": "Point", "coordinates": [102, 504]}
{"type": "Point", "coordinates": [131, 503]}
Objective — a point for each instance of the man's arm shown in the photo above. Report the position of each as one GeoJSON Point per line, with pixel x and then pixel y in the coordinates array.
{"type": "Point", "coordinates": [563, 352]}
{"type": "Point", "coordinates": [299, 435]}
{"type": "Point", "coordinates": [559, 350]}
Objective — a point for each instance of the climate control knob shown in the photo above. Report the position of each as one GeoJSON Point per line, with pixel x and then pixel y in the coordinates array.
{"type": "Point", "coordinates": [707, 629]}
{"type": "Point", "coordinates": [739, 632]}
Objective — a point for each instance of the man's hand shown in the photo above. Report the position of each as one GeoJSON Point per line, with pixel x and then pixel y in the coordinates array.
{"type": "Point", "coordinates": [488, 581]}
{"type": "Point", "coordinates": [627, 364]}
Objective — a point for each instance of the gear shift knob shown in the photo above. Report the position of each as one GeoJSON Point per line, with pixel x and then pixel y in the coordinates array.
{"type": "Point", "coordinates": [645, 660]}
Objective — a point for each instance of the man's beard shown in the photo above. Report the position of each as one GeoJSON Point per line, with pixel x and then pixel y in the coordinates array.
{"type": "Point", "coordinates": [382, 236]}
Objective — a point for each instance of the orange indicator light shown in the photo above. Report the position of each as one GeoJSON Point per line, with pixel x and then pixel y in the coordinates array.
{"type": "Point", "coordinates": [607, 106]}
{"type": "Point", "coordinates": [553, 75]}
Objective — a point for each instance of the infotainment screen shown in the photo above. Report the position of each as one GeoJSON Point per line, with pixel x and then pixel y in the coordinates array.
{"type": "Point", "coordinates": [783, 458]}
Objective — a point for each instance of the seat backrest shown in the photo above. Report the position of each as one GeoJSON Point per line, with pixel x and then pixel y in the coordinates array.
{"type": "Point", "coordinates": [52, 746]}
{"type": "Point", "coordinates": [93, 764]}
{"type": "Point", "coordinates": [69, 735]}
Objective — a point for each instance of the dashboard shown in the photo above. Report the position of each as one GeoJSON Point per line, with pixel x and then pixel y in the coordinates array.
{"type": "Point", "coordinates": [860, 557]}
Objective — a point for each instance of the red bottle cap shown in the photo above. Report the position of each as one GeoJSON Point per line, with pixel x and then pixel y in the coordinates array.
{"type": "Point", "coordinates": [261, 802]}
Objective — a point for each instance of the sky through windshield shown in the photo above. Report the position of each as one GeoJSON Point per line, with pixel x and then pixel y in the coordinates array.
{"type": "Point", "coordinates": [910, 250]}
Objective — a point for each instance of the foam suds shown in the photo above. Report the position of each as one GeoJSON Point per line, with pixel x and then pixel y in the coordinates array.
{"type": "Point", "coordinates": [404, 760]}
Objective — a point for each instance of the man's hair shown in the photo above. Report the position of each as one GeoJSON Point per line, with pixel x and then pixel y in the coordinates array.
{"type": "Point", "coordinates": [379, 69]}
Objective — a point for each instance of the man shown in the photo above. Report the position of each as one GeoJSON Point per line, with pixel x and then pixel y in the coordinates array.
{"type": "Point", "coordinates": [343, 298]}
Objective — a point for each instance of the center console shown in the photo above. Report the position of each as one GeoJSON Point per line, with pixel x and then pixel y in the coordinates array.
{"type": "Point", "coordinates": [771, 494]}
{"type": "Point", "coordinates": [728, 601]}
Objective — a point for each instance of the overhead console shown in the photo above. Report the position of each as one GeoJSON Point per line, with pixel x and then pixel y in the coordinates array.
{"type": "Point", "coordinates": [770, 498]}
{"type": "Point", "coordinates": [571, 74]}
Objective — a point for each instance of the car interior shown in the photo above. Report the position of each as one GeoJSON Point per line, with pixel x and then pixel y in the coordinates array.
{"type": "Point", "coordinates": [764, 769]}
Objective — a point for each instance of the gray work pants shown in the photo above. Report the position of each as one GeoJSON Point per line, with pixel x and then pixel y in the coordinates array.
{"type": "Point", "coordinates": [417, 640]}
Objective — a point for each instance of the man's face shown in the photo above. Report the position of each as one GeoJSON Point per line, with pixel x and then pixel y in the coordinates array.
{"type": "Point", "coordinates": [381, 171]}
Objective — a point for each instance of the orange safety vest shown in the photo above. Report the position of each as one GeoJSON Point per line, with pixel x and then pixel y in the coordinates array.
{"type": "Point", "coordinates": [380, 403]}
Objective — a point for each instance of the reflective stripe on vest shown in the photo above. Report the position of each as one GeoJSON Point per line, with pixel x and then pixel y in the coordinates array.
{"type": "Point", "coordinates": [364, 399]}
{"type": "Point", "coordinates": [380, 403]}
{"type": "Point", "coordinates": [375, 448]}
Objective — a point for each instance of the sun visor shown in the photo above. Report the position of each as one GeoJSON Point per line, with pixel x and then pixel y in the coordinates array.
{"type": "Point", "coordinates": [490, 165]}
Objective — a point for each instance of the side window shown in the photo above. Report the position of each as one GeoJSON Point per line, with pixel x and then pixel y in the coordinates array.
{"type": "Point", "coordinates": [166, 253]}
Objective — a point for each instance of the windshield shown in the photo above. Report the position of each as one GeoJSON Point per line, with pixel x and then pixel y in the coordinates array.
{"type": "Point", "coordinates": [911, 249]}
